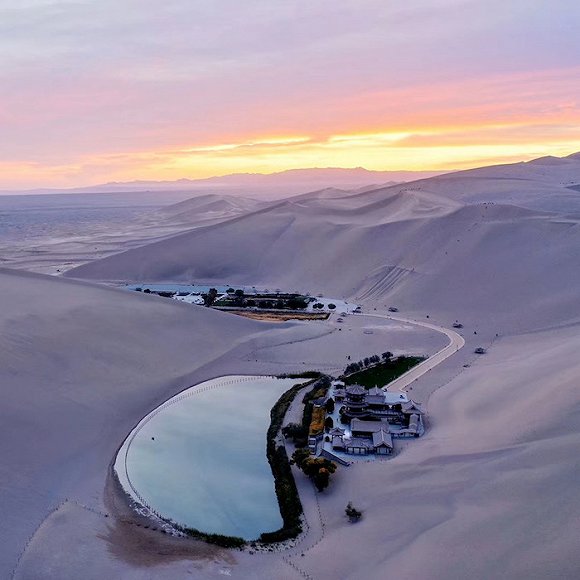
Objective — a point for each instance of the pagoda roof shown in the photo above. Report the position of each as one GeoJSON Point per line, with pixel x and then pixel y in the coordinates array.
{"type": "Point", "coordinates": [376, 399]}
{"type": "Point", "coordinates": [382, 438]}
{"type": "Point", "coordinates": [356, 390]}
{"type": "Point", "coordinates": [414, 422]}
{"type": "Point", "coordinates": [358, 442]}
{"type": "Point", "coordinates": [412, 407]}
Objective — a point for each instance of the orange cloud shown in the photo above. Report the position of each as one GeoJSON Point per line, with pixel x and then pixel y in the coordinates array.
{"type": "Point", "coordinates": [439, 126]}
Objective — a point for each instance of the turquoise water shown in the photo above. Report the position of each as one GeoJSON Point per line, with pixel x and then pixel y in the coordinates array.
{"type": "Point", "coordinates": [200, 458]}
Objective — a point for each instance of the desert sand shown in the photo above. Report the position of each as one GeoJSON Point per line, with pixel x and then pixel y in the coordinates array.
{"type": "Point", "coordinates": [66, 245]}
{"type": "Point", "coordinates": [489, 492]}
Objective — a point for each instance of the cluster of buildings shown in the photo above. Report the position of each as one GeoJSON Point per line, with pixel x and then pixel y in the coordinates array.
{"type": "Point", "coordinates": [371, 418]}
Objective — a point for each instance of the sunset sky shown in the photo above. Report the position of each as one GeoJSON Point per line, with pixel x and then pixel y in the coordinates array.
{"type": "Point", "coordinates": [115, 90]}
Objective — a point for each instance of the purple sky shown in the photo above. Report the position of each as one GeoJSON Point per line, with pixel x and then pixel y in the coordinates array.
{"type": "Point", "coordinates": [108, 90]}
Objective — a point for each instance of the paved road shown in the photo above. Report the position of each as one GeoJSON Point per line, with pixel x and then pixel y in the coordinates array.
{"type": "Point", "coordinates": [456, 342]}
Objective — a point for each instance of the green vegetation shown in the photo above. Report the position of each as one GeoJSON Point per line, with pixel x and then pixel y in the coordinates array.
{"type": "Point", "coordinates": [319, 390]}
{"type": "Point", "coordinates": [374, 372]}
{"type": "Point", "coordinates": [329, 405]}
{"type": "Point", "coordinates": [297, 434]}
{"type": "Point", "coordinates": [285, 486]}
{"type": "Point", "coordinates": [217, 539]}
{"type": "Point", "coordinates": [266, 301]}
{"type": "Point", "coordinates": [352, 513]}
{"type": "Point", "coordinates": [210, 297]}
{"type": "Point", "coordinates": [304, 375]}
{"type": "Point", "coordinates": [287, 494]}
{"type": "Point", "coordinates": [318, 469]}
{"type": "Point", "coordinates": [317, 423]}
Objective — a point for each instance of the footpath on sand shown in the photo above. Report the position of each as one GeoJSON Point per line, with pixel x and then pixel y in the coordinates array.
{"type": "Point", "coordinates": [456, 342]}
{"type": "Point", "coordinates": [315, 525]}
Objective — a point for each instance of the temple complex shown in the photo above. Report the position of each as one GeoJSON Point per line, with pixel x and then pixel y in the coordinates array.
{"type": "Point", "coordinates": [371, 418]}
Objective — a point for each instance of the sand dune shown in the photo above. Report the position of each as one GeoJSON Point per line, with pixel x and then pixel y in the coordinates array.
{"type": "Point", "coordinates": [79, 365]}
{"type": "Point", "coordinates": [204, 208]}
{"type": "Point", "coordinates": [66, 244]}
{"type": "Point", "coordinates": [489, 492]}
{"type": "Point", "coordinates": [543, 184]}
{"type": "Point", "coordinates": [453, 258]}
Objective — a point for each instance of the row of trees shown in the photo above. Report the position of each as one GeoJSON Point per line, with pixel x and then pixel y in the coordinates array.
{"type": "Point", "coordinates": [355, 367]}
{"type": "Point", "coordinates": [320, 306]}
{"type": "Point", "coordinates": [290, 302]}
{"type": "Point", "coordinates": [298, 432]}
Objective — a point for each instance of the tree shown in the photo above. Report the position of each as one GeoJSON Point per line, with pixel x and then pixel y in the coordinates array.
{"type": "Point", "coordinates": [387, 355]}
{"type": "Point", "coordinates": [297, 433]}
{"type": "Point", "coordinates": [239, 293]}
{"type": "Point", "coordinates": [211, 296]}
{"type": "Point", "coordinates": [297, 303]}
{"type": "Point", "coordinates": [318, 469]}
{"type": "Point", "coordinates": [329, 406]}
{"type": "Point", "coordinates": [331, 306]}
{"type": "Point", "coordinates": [352, 513]}
{"type": "Point", "coordinates": [321, 478]}
{"type": "Point", "coordinates": [300, 456]}
{"type": "Point", "coordinates": [328, 423]}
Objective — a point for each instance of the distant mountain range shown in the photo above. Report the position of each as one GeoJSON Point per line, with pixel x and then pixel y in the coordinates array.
{"type": "Point", "coordinates": [265, 186]}
{"type": "Point", "coordinates": [292, 182]}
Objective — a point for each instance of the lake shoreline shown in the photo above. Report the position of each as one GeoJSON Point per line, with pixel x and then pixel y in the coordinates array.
{"type": "Point", "coordinates": [138, 464]}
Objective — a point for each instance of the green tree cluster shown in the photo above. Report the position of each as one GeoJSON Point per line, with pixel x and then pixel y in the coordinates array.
{"type": "Point", "coordinates": [367, 362]}
{"type": "Point", "coordinates": [318, 469]}
{"type": "Point", "coordinates": [210, 297]}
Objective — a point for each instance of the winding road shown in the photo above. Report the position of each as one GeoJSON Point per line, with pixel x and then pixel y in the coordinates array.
{"type": "Point", "coordinates": [456, 342]}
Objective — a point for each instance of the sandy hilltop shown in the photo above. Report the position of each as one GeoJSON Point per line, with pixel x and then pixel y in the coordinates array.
{"type": "Point", "coordinates": [489, 492]}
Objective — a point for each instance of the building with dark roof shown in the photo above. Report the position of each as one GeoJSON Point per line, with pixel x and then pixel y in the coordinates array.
{"type": "Point", "coordinates": [376, 404]}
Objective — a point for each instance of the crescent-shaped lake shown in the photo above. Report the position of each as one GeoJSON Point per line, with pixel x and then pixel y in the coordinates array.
{"type": "Point", "coordinates": [200, 458]}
